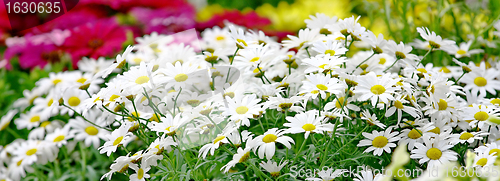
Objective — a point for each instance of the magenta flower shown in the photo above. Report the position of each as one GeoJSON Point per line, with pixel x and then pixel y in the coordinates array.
{"type": "Point", "coordinates": [102, 38]}
{"type": "Point", "coordinates": [31, 55]}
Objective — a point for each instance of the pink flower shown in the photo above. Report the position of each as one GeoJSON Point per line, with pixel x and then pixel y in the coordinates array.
{"type": "Point", "coordinates": [250, 20]}
{"type": "Point", "coordinates": [31, 55]}
{"type": "Point", "coordinates": [165, 20]}
{"type": "Point", "coordinates": [102, 38]}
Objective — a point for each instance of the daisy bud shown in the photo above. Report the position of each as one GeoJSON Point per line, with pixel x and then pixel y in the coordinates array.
{"type": "Point", "coordinates": [377, 50]}
{"type": "Point", "coordinates": [135, 127]}
{"type": "Point", "coordinates": [84, 87]}
{"type": "Point", "coordinates": [130, 97]}
{"type": "Point", "coordinates": [211, 59]}
{"type": "Point", "coordinates": [363, 66]}
{"type": "Point", "coordinates": [466, 69]}
{"type": "Point", "coordinates": [325, 31]}
{"type": "Point", "coordinates": [118, 108]}
{"type": "Point", "coordinates": [61, 101]}
{"type": "Point", "coordinates": [121, 64]}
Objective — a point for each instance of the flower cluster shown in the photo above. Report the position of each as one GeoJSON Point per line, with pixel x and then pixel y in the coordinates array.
{"type": "Point", "coordinates": [247, 100]}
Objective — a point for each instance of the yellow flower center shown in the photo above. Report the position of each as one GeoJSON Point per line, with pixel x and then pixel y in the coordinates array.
{"type": "Point", "coordinates": [181, 77]}
{"type": "Point", "coordinates": [340, 102]}
{"type": "Point", "coordinates": [142, 79]}
{"type": "Point", "coordinates": [414, 134]}
{"type": "Point", "coordinates": [19, 162]}
{"type": "Point", "coordinates": [140, 173]}
{"type": "Point", "coordinates": [137, 60]}
{"type": "Point", "coordinates": [434, 154]}
{"type": "Point", "coordinates": [480, 81]}
{"type": "Point", "coordinates": [442, 104]}
{"type": "Point", "coordinates": [31, 151]}
{"type": "Point", "coordinates": [269, 138]}
{"type": "Point", "coordinates": [219, 38]}
{"type": "Point", "coordinates": [244, 157]}
{"type": "Point", "coordinates": [35, 119]}
{"type": "Point", "coordinates": [435, 130]}
{"type": "Point", "coordinates": [241, 110]}
{"type": "Point", "coordinates": [58, 138]}
{"type": "Point", "coordinates": [321, 87]}
{"type": "Point", "coordinates": [377, 89]}
{"type": "Point", "coordinates": [331, 52]}
{"type": "Point", "coordinates": [466, 136]}
{"type": "Point", "coordinates": [56, 81]}
{"type": "Point", "coordinates": [461, 52]}
{"type": "Point", "coordinates": [380, 141]}
{"type": "Point", "coordinates": [481, 116]}
{"type": "Point", "coordinates": [398, 104]}
{"type": "Point", "coordinates": [242, 42]}
{"type": "Point", "coordinates": [445, 70]}
{"type": "Point", "coordinates": [113, 97]}
{"type": "Point", "coordinates": [81, 80]}
{"type": "Point", "coordinates": [218, 138]}
{"type": "Point", "coordinates": [308, 127]}
{"type": "Point", "coordinates": [382, 61]}
{"type": "Point", "coordinates": [117, 141]}
{"type": "Point", "coordinates": [50, 102]}
{"type": "Point", "coordinates": [44, 124]}
{"type": "Point", "coordinates": [254, 59]}
{"type": "Point", "coordinates": [74, 101]}
{"type": "Point", "coordinates": [400, 55]}
{"type": "Point", "coordinates": [91, 130]}
{"type": "Point", "coordinates": [495, 101]}
{"type": "Point", "coordinates": [482, 161]}
{"type": "Point", "coordinates": [494, 151]}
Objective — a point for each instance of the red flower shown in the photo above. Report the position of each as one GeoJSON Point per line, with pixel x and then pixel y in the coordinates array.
{"type": "Point", "coordinates": [31, 55]}
{"type": "Point", "coordinates": [250, 20]}
{"type": "Point", "coordinates": [101, 38]}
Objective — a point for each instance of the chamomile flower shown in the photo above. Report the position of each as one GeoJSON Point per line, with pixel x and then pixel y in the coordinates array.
{"type": "Point", "coordinates": [73, 99]}
{"type": "Point", "coordinates": [468, 137]}
{"type": "Point", "coordinates": [266, 143]}
{"type": "Point", "coordinates": [379, 141]}
{"type": "Point", "coordinates": [308, 122]}
{"type": "Point", "coordinates": [375, 88]}
{"type": "Point", "coordinates": [433, 151]}
{"type": "Point", "coordinates": [462, 50]}
{"type": "Point", "coordinates": [180, 75]}
{"type": "Point", "coordinates": [29, 120]}
{"type": "Point", "coordinates": [481, 80]}
{"type": "Point", "coordinates": [7, 118]}
{"type": "Point", "coordinates": [401, 52]}
{"type": "Point", "coordinates": [414, 135]}
{"type": "Point", "coordinates": [118, 64]}
{"type": "Point", "coordinates": [479, 115]}
{"type": "Point", "coordinates": [212, 146]}
{"type": "Point", "coordinates": [241, 156]}
{"type": "Point", "coordinates": [254, 55]}
{"type": "Point", "coordinates": [319, 21]}
{"type": "Point", "coordinates": [140, 173]}
{"type": "Point", "coordinates": [304, 39]}
{"type": "Point", "coordinates": [117, 138]}
{"type": "Point", "coordinates": [318, 84]}
{"type": "Point", "coordinates": [398, 105]}
{"type": "Point", "coordinates": [372, 119]}
{"type": "Point", "coordinates": [242, 108]}
{"type": "Point", "coordinates": [329, 47]}
{"type": "Point", "coordinates": [284, 104]}
{"type": "Point", "coordinates": [59, 137]}
{"type": "Point", "coordinates": [435, 41]}
{"type": "Point", "coordinates": [328, 174]}
{"type": "Point", "coordinates": [272, 167]}
{"type": "Point", "coordinates": [139, 78]}
{"type": "Point", "coordinates": [484, 160]}
{"type": "Point", "coordinates": [28, 151]}
{"type": "Point", "coordinates": [87, 132]}
{"type": "Point", "coordinates": [323, 63]}
{"type": "Point", "coordinates": [169, 124]}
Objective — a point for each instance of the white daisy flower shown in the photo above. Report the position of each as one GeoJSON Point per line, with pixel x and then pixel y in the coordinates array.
{"type": "Point", "coordinates": [401, 52]}
{"type": "Point", "coordinates": [308, 122]}
{"type": "Point", "coordinates": [266, 143]}
{"type": "Point", "coordinates": [329, 47]}
{"type": "Point", "coordinates": [468, 137]}
{"type": "Point", "coordinates": [484, 160]}
{"type": "Point", "coordinates": [375, 88]}
{"type": "Point", "coordinates": [304, 39]}
{"type": "Point", "coordinates": [371, 119]}
{"type": "Point", "coordinates": [242, 108]}
{"type": "Point", "coordinates": [87, 132]}
{"type": "Point", "coordinates": [118, 64]}
{"type": "Point", "coordinates": [59, 137]}
{"type": "Point", "coordinates": [434, 151]}
{"type": "Point", "coordinates": [414, 135]}
{"type": "Point", "coordinates": [118, 137]}
{"type": "Point", "coordinates": [272, 167]}
{"type": "Point", "coordinates": [30, 120]}
{"type": "Point", "coordinates": [435, 41]}
{"type": "Point", "coordinates": [7, 118]}
{"type": "Point", "coordinates": [462, 50]}
{"type": "Point", "coordinates": [241, 156]}
{"type": "Point", "coordinates": [319, 21]}
{"type": "Point", "coordinates": [398, 105]}
{"type": "Point", "coordinates": [318, 84]}
{"type": "Point", "coordinates": [211, 147]}
{"type": "Point", "coordinates": [481, 80]}
{"type": "Point", "coordinates": [328, 174]}
{"type": "Point", "coordinates": [73, 98]}
{"type": "Point", "coordinates": [140, 173]}
{"type": "Point", "coordinates": [379, 141]}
